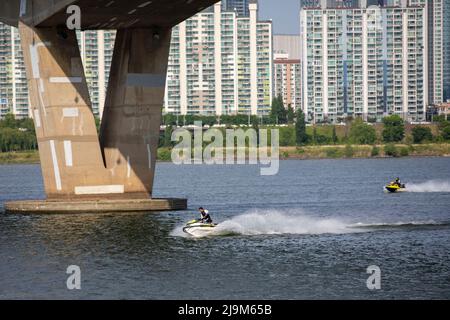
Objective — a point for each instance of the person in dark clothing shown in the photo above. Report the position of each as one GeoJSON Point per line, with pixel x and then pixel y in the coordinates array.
{"type": "Point", "coordinates": [205, 217]}
{"type": "Point", "coordinates": [398, 182]}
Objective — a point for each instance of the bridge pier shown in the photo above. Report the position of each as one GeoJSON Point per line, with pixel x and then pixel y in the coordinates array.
{"type": "Point", "coordinates": [82, 170]}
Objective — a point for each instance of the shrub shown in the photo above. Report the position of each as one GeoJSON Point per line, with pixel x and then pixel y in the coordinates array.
{"type": "Point", "coordinates": [287, 136]}
{"type": "Point", "coordinates": [421, 134]}
{"type": "Point", "coordinates": [164, 154]}
{"type": "Point", "coordinates": [333, 153]}
{"type": "Point", "coordinates": [300, 128]}
{"type": "Point", "coordinates": [444, 128]}
{"type": "Point", "coordinates": [375, 151]}
{"type": "Point", "coordinates": [391, 150]}
{"type": "Point", "coordinates": [404, 152]}
{"type": "Point", "coordinates": [362, 133]}
{"type": "Point", "coordinates": [394, 129]}
{"type": "Point", "coordinates": [348, 151]}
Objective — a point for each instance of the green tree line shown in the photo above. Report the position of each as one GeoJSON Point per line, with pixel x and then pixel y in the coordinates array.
{"type": "Point", "coordinates": [17, 134]}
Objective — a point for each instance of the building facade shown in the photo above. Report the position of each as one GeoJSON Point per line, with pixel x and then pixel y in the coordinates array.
{"type": "Point", "coordinates": [241, 7]}
{"type": "Point", "coordinates": [97, 49]}
{"type": "Point", "coordinates": [96, 52]}
{"type": "Point", "coordinates": [287, 80]}
{"type": "Point", "coordinates": [437, 41]}
{"type": "Point", "coordinates": [13, 79]}
{"type": "Point", "coordinates": [220, 63]}
{"type": "Point", "coordinates": [364, 62]}
{"type": "Point", "coordinates": [287, 44]}
{"type": "Point", "coordinates": [446, 37]}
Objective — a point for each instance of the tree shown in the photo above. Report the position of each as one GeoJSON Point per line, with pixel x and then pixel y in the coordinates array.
{"type": "Point", "coordinates": [362, 133]}
{"type": "Point", "coordinates": [334, 137]}
{"type": "Point", "coordinates": [290, 115]}
{"type": "Point", "coordinates": [278, 112]}
{"type": "Point", "coordinates": [394, 129]}
{"type": "Point", "coordinates": [9, 121]}
{"type": "Point", "coordinates": [168, 136]}
{"type": "Point", "coordinates": [421, 134]}
{"type": "Point", "coordinates": [444, 128]}
{"type": "Point", "coordinates": [300, 128]}
{"type": "Point", "coordinates": [314, 135]}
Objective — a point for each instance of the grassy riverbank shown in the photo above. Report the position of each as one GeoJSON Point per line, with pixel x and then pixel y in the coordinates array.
{"type": "Point", "coordinates": [365, 151]}
{"type": "Point", "coordinates": [301, 153]}
{"type": "Point", "coordinates": [23, 157]}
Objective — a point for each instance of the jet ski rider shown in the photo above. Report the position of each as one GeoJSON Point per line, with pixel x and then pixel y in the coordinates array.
{"type": "Point", "coordinates": [205, 217]}
{"type": "Point", "coordinates": [398, 182]}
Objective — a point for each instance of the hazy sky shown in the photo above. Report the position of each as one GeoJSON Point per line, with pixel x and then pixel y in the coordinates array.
{"type": "Point", "coordinates": [284, 13]}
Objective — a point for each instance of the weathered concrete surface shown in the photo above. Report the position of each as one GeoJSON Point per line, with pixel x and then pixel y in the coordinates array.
{"type": "Point", "coordinates": [77, 165]}
{"type": "Point", "coordinates": [94, 206]}
{"type": "Point", "coordinates": [131, 121]}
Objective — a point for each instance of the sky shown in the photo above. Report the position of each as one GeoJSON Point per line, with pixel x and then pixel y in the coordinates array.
{"type": "Point", "coordinates": [284, 13]}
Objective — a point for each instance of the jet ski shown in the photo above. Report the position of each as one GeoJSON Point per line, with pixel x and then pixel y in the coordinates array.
{"type": "Point", "coordinates": [394, 187]}
{"type": "Point", "coordinates": [197, 228]}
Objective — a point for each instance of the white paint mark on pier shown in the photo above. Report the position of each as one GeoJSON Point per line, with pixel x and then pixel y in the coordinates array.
{"type": "Point", "coordinates": [70, 112]}
{"type": "Point", "coordinates": [68, 153]}
{"type": "Point", "coordinates": [128, 167]}
{"type": "Point", "coordinates": [37, 118]}
{"type": "Point", "coordinates": [105, 189]}
{"type": "Point", "coordinates": [55, 165]}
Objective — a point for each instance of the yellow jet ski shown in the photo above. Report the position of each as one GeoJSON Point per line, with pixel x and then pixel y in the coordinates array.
{"type": "Point", "coordinates": [197, 228]}
{"type": "Point", "coordinates": [395, 187]}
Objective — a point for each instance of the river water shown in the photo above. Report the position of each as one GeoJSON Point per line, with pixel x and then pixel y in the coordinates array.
{"type": "Point", "coordinates": [309, 232]}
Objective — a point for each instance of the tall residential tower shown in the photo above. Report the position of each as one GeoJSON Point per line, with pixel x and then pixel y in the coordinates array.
{"type": "Point", "coordinates": [13, 79]}
{"type": "Point", "coordinates": [366, 62]}
{"type": "Point", "coordinates": [220, 63]}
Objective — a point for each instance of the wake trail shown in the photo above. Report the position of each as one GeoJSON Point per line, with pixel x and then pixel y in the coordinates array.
{"type": "Point", "coordinates": [273, 222]}
{"type": "Point", "coordinates": [429, 186]}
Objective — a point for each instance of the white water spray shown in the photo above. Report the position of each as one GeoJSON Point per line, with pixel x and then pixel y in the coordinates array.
{"type": "Point", "coordinates": [273, 222]}
{"type": "Point", "coordinates": [429, 186]}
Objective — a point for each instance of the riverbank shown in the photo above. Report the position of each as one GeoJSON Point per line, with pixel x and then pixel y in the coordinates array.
{"type": "Point", "coordinates": [23, 157]}
{"type": "Point", "coordinates": [299, 153]}
{"type": "Point", "coordinates": [365, 151]}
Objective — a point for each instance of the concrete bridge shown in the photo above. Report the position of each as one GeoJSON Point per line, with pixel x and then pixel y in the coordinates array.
{"type": "Point", "coordinates": [82, 170]}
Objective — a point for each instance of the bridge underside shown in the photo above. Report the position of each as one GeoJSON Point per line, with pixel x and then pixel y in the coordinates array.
{"type": "Point", "coordinates": [77, 164]}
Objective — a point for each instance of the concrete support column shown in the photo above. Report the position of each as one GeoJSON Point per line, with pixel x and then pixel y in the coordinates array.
{"type": "Point", "coordinates": [68, 143]}
{"type": "Point", "coordinates": [74, 163]}
{"type": "Point", "coordinates": [132, 115]}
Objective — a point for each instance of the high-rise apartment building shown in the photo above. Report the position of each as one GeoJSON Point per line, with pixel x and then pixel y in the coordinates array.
{"type": "Point", "coordinates": [446, 37]}
{"type": "Point", "coordinates": [13, 79]}
{"type": "Point", "coordinates": [366, 62]}
{"type": "Point", "coordinates": [220, 63]}
{"type": "Point", "coordinates": [287, 80]}
{"type": "Point", "coordinates": [96, 49]}
{"type": "Point", "coordinates": [241, 7]}
{"type": "Point", "coordinates": [435, 24]}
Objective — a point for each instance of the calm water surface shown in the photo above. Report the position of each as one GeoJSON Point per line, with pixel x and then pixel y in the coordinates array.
{"type": "Point", "coordinates": [309, 232]}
